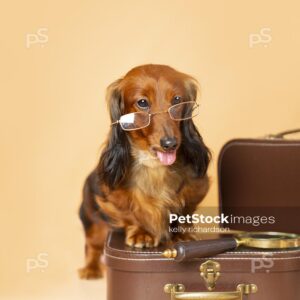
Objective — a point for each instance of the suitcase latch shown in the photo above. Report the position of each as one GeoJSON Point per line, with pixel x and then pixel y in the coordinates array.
{"type": "Point", "coordinates": [210, 272]}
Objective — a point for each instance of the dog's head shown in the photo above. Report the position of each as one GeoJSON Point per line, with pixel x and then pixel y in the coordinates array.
{"type": "Point", "coordinates": [149, 123]}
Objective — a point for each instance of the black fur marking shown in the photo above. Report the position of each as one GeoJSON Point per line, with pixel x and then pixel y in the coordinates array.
{"type": "Point", "coordinates": [116, 159]}
{"type": "Point", "coordinates": [193, 150]}
{"type": "Point", "coordinates": [86, 222]}
{"type": "Point", "coordinates": [94, 184]}
{"type": "Point", "coordinates": [89, 211]}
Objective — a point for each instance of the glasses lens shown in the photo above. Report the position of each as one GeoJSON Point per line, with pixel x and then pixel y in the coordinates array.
{"type": "Point", "coordinates": [134, 121]}
{"type": "Point", "coordinates": [183, 111]}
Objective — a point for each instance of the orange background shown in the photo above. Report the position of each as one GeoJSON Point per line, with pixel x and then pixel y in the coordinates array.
{"type": "Point", "coordinates": [54, 119]}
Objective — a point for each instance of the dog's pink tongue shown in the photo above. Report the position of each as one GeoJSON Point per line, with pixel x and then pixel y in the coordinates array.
{"type": "Point", "coordinates": [166, 158]}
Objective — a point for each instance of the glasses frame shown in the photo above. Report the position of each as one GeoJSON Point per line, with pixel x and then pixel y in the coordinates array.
{"type": "Point", "coordinates": [158, 112]}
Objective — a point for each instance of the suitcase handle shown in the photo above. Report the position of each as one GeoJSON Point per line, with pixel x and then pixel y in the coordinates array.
{"type": "Point", "coordinates": [210, 272]}
{"type": "Point", "coordinates": [282, 134]}
{"type": "Point", "coordinates": [183, 251]}
{"type": "Point", "coordinates": [177, 291]}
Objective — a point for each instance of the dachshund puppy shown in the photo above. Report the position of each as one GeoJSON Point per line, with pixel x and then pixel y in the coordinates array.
{"type": "Point", "coordinates": [154, 162]}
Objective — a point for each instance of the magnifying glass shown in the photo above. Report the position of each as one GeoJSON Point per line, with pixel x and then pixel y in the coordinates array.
{"type": "Point", "coordinates": [206, 248]}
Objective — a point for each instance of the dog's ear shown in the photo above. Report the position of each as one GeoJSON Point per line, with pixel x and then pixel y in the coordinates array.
{"type": "Point", "coordinates": [115, 159]}
{"type": "Point", "coordinates": [193, 150]}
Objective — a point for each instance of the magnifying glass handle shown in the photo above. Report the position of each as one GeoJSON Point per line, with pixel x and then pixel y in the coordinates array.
{"type": "Point", "coordinates": [196, 249]}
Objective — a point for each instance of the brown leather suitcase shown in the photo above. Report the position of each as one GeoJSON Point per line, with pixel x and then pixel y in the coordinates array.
{"type": "Point", "coordinates": [244, 273]}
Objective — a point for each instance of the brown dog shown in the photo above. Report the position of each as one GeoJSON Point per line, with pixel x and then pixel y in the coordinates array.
{"type": "Point", "coordinates": [154, 162]}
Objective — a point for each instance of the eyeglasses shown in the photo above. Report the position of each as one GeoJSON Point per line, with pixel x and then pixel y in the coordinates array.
{"type": "Point", "coordinates": [178, 112]}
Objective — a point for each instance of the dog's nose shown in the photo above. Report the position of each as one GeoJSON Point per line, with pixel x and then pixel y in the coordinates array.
{"type": "Point", "coordinates": [168, 143]}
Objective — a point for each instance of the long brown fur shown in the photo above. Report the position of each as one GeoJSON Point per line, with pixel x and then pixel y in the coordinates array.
{"type": "Point", "coordinates": [130, 188]}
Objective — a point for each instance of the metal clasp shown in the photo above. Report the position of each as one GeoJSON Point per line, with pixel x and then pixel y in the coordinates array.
{"type": "Point", "coordinates": [210, 272]}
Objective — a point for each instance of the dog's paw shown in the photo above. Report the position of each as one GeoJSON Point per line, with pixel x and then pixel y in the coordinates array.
{"type": "Point", "coordinates": [137, 238]}
{"type": "Point", "coordinates": [90, 273]}
{"type": "Point", "coordinates": [140, 240]}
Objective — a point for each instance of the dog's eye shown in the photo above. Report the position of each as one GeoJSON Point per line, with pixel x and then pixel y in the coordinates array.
{"type": "Point", "coordinates": [176, 100]}
{"type": "Point", "coordinates": [143, 103]}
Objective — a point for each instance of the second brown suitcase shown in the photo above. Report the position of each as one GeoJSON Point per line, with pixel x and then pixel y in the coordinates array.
{"type": "Point", "coordinates": [261, 177]}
